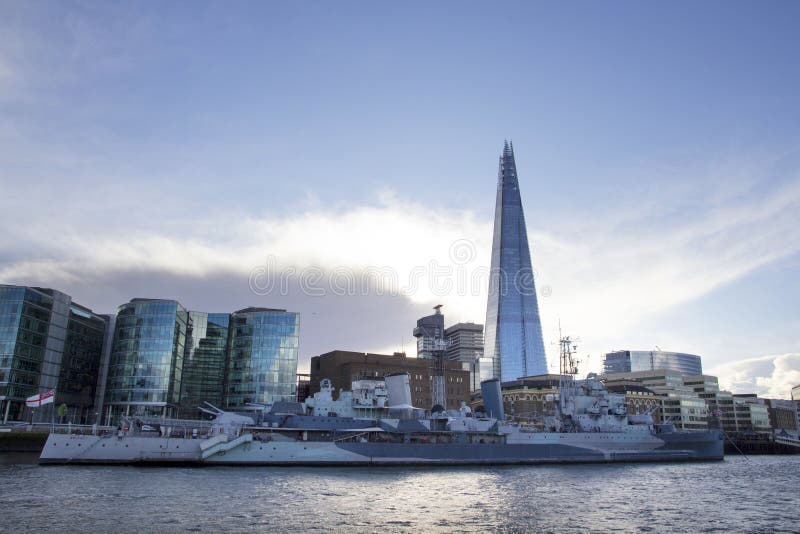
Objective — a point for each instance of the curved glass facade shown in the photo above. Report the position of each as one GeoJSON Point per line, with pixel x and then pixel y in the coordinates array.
{"type": "Point", "coordinates": [146, 364]}
{"type": "Point", "coordinates": [204, 363]}
{"type": "Point", "coordinates": [513, 336]}
{"type": "Point", "coordinates": [630, 361]}
{"type": "Point", "coordinates": [262, 360]}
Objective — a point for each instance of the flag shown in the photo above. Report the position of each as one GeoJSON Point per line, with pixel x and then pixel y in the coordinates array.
{"type": "Point", "coordinates": [41, 399]}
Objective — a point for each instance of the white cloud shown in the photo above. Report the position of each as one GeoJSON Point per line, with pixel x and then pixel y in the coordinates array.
{"type": "Point", "coordinates": [768, 376]}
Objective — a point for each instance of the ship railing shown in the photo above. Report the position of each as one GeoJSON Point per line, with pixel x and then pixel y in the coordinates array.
{"type": "Point", "coordinates": [184, 428]}
{"type": "Point", "coordinates": [352, 436]}
{"type": "Point", "coordinates": [359, 434]}
{"type": "Point", "coordinates": [77, 429]}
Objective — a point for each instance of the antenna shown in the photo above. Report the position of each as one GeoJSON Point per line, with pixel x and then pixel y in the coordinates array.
{"type": "Point", "coordinates": [568, 365]}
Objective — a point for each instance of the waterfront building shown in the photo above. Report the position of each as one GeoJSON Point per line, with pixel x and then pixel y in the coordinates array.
{"type": "Point", "coordinates": [343, 368]}
{"type": "Point", "coordinates": [752, 413]}
{"type": "Point", "coordinates": [47, 342]}
{"type": "Point", "coordinates": [784, 415]}
{"type": "Point", "coordinates": [146, 364]}
{"type": "Point", "coordinates": [631, 361]}
{"type": "Point", "coordinates": [720, 403]}
{"type": "Point", "coordinates": [262, 359]}
{"type": "Point", "coordinates": [680, 404]}
{"type": "Point", "coordinates": [686, 412]}
{"type": "Point", "coordinates": [513, 335]}
{"type": "Point", "coordinates": [204, 361]}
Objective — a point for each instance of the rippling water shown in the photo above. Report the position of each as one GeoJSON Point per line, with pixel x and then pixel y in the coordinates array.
{"type": "Point", "coordinates": [759, 493]}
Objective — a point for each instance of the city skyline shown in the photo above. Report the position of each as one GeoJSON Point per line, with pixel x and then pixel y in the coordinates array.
{"type": "Point", "coordinates": [158, 153]}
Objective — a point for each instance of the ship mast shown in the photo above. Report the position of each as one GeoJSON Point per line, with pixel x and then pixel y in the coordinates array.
{"type": "Point", "coordinates": [567, 366]}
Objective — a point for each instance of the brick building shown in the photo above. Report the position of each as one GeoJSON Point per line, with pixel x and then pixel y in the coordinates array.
{"type": "Point", "coordinates": [343, 367]}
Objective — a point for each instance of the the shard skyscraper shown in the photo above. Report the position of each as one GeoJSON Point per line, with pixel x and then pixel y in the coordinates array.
{"type": "Point", "coordinates": [513, 336]}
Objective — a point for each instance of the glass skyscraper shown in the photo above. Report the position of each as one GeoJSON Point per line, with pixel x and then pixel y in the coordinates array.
{"type": "Point", "coordinates": [262, 360]}
{"type": "Point", "coordinates": [513, 338]}
{"type": "Point", "coordinates": [146, 364]}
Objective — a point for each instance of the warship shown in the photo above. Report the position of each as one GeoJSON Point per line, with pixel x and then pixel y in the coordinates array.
{"type": "Point", "coordinates": [376, 424]}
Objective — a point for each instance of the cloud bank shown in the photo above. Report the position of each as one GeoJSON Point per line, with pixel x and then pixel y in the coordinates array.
{"type": "Point", "coordinates": [768, 376]}
{"type": "Point", "coordinates": [600, 275]}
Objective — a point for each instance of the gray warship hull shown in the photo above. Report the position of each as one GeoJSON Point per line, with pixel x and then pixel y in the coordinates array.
{"type": "Point", "coordinates": [244, 450]}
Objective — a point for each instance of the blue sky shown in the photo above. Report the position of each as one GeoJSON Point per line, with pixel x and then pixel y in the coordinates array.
{"type": "Point", "coordinates": [170, 149]}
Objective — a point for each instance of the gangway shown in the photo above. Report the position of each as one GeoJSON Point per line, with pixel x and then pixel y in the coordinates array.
{"type": "Point", "coordinates": [219, 443]}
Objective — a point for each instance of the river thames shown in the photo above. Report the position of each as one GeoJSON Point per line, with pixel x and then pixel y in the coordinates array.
{"type": "Point", "coordinates": [757, 493]}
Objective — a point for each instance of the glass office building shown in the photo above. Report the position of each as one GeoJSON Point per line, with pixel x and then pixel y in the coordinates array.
{"type": "Point", "coordinates": [262, 358]}
{"type": "Point", "coordinates": [204, 362]}
{"type": "Point", "coordinates": [146, 364]}
{"type": "Point", "coordinates": [513, 332]}
{"type": "Point", "coordinates": [48, 342]}
{"type": "Point", "coordinates": [80, 364]}
{"type": "Point", "coordinates": [430, 335]}
{"type": "Point", "coordinates": [628, 361]}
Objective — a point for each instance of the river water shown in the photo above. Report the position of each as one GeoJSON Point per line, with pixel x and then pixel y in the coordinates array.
{"type": "Point", "coordinates": [758, 493]}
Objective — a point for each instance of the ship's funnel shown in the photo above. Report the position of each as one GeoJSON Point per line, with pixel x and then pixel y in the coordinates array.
{"type": "Point", "coordinates": [398, 390]}
{"type": "Point", "coordinates": [493, 398]}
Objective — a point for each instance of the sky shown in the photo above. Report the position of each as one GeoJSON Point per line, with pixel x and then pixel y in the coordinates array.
{"type": "Point", "coordinates": [339, 159]}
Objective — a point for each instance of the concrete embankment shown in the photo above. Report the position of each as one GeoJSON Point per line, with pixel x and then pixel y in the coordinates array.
{"type": "Point", "coordinates": [21, 440]}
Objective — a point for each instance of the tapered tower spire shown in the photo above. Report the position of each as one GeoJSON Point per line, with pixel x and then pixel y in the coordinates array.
{"type": "Point", "coordinates": [513, 336]}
